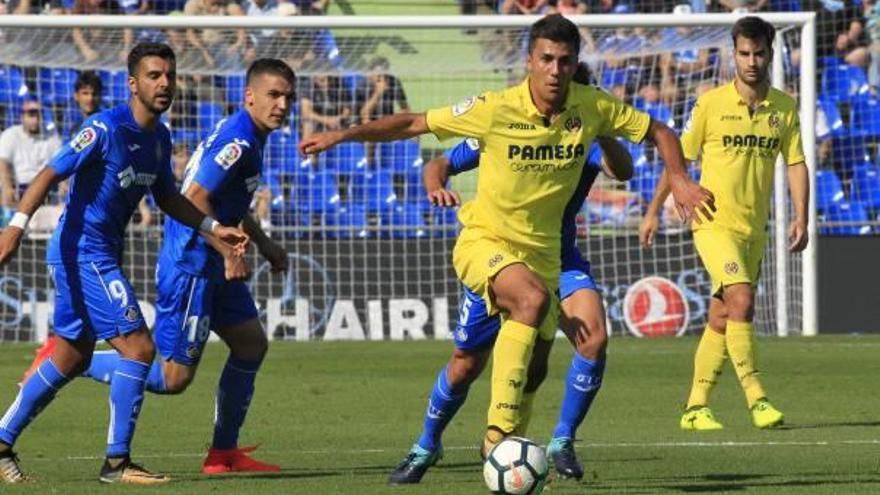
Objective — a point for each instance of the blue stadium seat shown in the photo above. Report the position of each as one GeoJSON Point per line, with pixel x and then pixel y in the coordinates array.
{"type": "Point", "coordinates": [829, 189]}
{"type": "Point", "coordinates": [316, 192]}
{"type": "Point", "coordinates": [865, 187]}
{"type": "Point", "coordinates": [836, 128]}
{"type": "Point", "coordinates": [848, 152]}
{"type": "Point", "coordinates": [399, 156]}
{"type": "Point", "coordinates": [12, 85]}
{"type": "Point", "coordinates": [444, 220]}
{"type": "Point", "coordinates": [657, 110]}
{"type": "Point", "coordinates": [349, 220]}
{"type": "Point", "coordinates": [407, 220]}
{"type": "Point", "coordinates": [645, 184]}
{"type": "Point", "coordinates": [413, 189]}
{"type": "Point", "coordinates": [208, 114]}
{"type": "Point", "coordinates": [115, 85]}
{"type": "Point", "coordinates": [865, 117]}
{"type": "Point", "coordinates": [234, 85]}
{"type": "Point", "coordinates": [56, 85]}
{"type": "Point", "coordinates": [844, 83]}
{"type": "Point", "coordinates": [375, 190]}
{"type": "Point", "coordinates": [345, 157]}
{"type": "Point", "coordinates": [853, 215]}
{"type": "Point", "coordinates": [281, 160]}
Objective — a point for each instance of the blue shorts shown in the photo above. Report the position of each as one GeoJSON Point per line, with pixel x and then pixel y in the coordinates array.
{"type": "Point", "coordinates": [95, 300]}
{"type": "Point", "coordinates": [189, 306]}
{"type": "Point", "coordinates": [475, 330]}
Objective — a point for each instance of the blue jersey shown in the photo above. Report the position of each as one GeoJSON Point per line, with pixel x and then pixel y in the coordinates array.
{"type": "Point", "coordinates": [227, 164]}
{"type": "Point", "coordinates": [113, 161]}
{"type": "Point", "coordinates": [466, 156]}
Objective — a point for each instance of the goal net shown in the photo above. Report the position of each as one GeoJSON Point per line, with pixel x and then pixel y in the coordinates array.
{"type": "Point", "coordinates": [370, 258]}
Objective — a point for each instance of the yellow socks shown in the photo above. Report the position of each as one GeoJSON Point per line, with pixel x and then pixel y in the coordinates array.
{"type": "Point", "coordinates": [525, 413]}
{"type": "Point", "coordinates": [741, 347]}
{"type": "Point", "coordinates": [708, 363]}
{"type": "Point", "coordinates": [512, 353]}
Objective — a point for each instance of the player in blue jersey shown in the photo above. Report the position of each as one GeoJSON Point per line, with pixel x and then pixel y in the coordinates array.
{"type": "Point", "coordinates": [201, 286]}
{"type": "Point", "coordinates": [116, 156]}
{"type": "Point", "coordinates": [582, 321]}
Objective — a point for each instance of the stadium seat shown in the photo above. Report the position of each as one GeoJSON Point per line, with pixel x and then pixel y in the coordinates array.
{"type": "Point", "coordinates": [645, 184]}
{"type": "Point", "coordinates": [865, 187]}
{"type": "Point", "coordinates": [865, 117]}
{"type": "Point", "coordinates": [829, 189]}
{"type": "Point", "coordinates": [234, 85]}
{"type": "Point", "coordinates": [407, 220]}
{"type": "Point", "coordinates": [208, 114]}
{"type": "Point", "coordinates": [658, 111]}
{"type": "Point", "coordinates": [280, 164]}
{"type": "Point", "coordinates": [444, 220]}
{"type": "Point", "coordinates": [349, 220]}
{"type": "Point", "coordinates": [375, 190]}
{"type": "Point", "coordinates": [844, 83]}
{"type": "Point", "coordinates": [12, 85]}
{"type": "Point", "coordinates": [848, 152]}
{"type": "Point", "coordinates": [836, 128]}
{"type": "Point", "coordinates": [399, 156]}
{"type": "Point", "coordinates": [852, 220]}
{"type": "Point", "coordinates": [316, 192]}
{"type": "Point", "coordinates": [413, 190]}
{"type": "Point", "coordinates": [56, 85]}
{"type": "Point", "coordinates": [115, 86]}
{"type": "Point", "coordinates": [345, 157]}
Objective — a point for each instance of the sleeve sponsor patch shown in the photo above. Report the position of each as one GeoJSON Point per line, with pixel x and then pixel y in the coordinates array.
{"type": "Point", "coordinates": [473, 143]}
{"type": "Point", "coordinates": [463, 106]}
{"type": "Point", "coordinates": [228, 155]}
{"type": "Point", "coordinates": [82, 140]}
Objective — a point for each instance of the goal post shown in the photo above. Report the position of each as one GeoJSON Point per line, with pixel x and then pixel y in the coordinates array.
{"type": "Point", "coordinates": [369, 259]}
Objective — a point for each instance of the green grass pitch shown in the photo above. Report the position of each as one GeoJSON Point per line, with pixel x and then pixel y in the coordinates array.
{"type": "Point", "coordinates": [338, 416]}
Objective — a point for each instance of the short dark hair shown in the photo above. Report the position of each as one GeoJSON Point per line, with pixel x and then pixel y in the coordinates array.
{"type": "Point", "coordinates": [148, 49]}
{"type": "Point", "coordinates": [555, 27]}
{"type": "Point", "coordinates": [90, 79]}
{"type": "Point", "coordinates": [753, 28]}
{"type": "Point", "coordinates": [270, 66]}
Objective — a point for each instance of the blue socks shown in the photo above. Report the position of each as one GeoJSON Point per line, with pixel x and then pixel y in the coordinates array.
{"type": "Point", "coordinates": [442, 406]}
{"type": "Point", "coordinates": [581, 386]}
{"type": "Point", "coordinates": [126, 398]}
{"type": "Point", "coordinates": [104, 364]}
{"type": "Point", "coordinates": [234, 393]}
{"type": "Point", "coordinates": [35, 394]}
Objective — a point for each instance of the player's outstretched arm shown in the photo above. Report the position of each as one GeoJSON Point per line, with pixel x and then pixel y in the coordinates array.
{"type": "Point", "coordinates": [182, 210]}
{"type": "Point", "coordinates": [651, 221]}
{"type": "Point", "coordinates": [690, 197]}
{"type": "Point", "coordinates": [391, 128]}
{"type": "Point", "coordinates": [616, 160]}
{"type": "Point", "coordinates": [434, 175]}
{"type": "Point", "coordinates": [799, 188]}
{"type": "Point", "coordinates": [269, 249]}
{"type": "Point", "coordinates": [33, 197]}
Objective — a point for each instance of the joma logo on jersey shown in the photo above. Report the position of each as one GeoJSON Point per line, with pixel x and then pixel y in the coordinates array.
{"type": "Point", "coordinates": [750, 141]}
{"type": "Point", "coordinates": [545, 152]}
{"type": "Point", "coordinates": [128, 177]}
{"type": "Point", "coordinates": [521, 126]}
{"type": "Point", "coordinates": [731, 117]}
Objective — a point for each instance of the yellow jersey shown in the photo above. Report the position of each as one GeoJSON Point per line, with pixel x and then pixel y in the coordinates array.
{"type": "Point", "coordinates": [738, 151]}
{"type": "Point", "coordinates": [529, 166]}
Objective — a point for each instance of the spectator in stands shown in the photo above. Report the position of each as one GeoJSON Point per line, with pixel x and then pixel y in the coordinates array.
{"type": "Point", "coordinates": [311, 7]}
{"type": "Point", "coordinates": [681, 70]}
{"type": "Point", "coordinates": [218, 49]}
{"type": "Point", "coordinates": [376, 96]}
{"type": "Point", "coordinates": [872, 26]}
{"type": "Point", "coordinates": [742, 6]}
{"type": "Point", "coordinates": [840, 30]}
{"type": "Point", "coordinates": [324, 104]}
{"type": "Point", "coordinates": [87, 93]}
{"type": "Point", "coordinates": [567, 7]}
{"type": "Point", "coordinates": [259, 37]}
{"type": "Point", "coordinates": [99, 43]}
{"type": "Point", "coordinates": [24, 150]}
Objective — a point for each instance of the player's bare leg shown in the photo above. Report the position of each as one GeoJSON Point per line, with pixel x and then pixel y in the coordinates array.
{"type": "Point", "coordinates": [583, 322]}
{"type": "Point", "coordinates": [248, 346]}
{"type": "Point", "coordinates": [520, 293]}
{"type": "Point", "coordinates": [739, 301]}
{"type": "Point", "coordinates": [709, 361]}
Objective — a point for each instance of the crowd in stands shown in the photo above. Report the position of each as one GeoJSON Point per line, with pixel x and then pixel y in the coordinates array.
{"type": "Point", "coordinates": [363, 186]}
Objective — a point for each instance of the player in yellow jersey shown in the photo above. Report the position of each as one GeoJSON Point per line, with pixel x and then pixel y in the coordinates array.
{"type": "Point", "coordinates": [737, 131]}
{"type": "Point", "coordinates": [534, 140]}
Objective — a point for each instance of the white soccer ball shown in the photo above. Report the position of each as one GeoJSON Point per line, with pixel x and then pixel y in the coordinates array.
{"type": "Point", "coordinates": [516, 466]}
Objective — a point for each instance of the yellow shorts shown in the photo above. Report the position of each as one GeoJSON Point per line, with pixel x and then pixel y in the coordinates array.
{"type": "Point", "coordinates": [479, 255]}
{"type": "Point", "coordinates": [729, 258]}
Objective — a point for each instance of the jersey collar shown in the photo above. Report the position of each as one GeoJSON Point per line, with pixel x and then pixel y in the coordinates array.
{"type": "Point", "coordinates": [739, 99]}
{"type": "Point", "coordinates": [529, 105]}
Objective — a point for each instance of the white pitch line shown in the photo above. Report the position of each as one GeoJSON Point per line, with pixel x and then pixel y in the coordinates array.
{"type": "Point", "coordinates": [581, 446]}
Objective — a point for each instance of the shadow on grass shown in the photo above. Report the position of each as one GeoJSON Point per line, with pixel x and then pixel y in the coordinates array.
{"type": "Point", "coordinates": [840, 424]}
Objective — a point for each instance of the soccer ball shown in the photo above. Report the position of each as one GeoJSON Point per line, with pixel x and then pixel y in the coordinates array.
{"type": "Point", "coordinates": [516, 466]}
